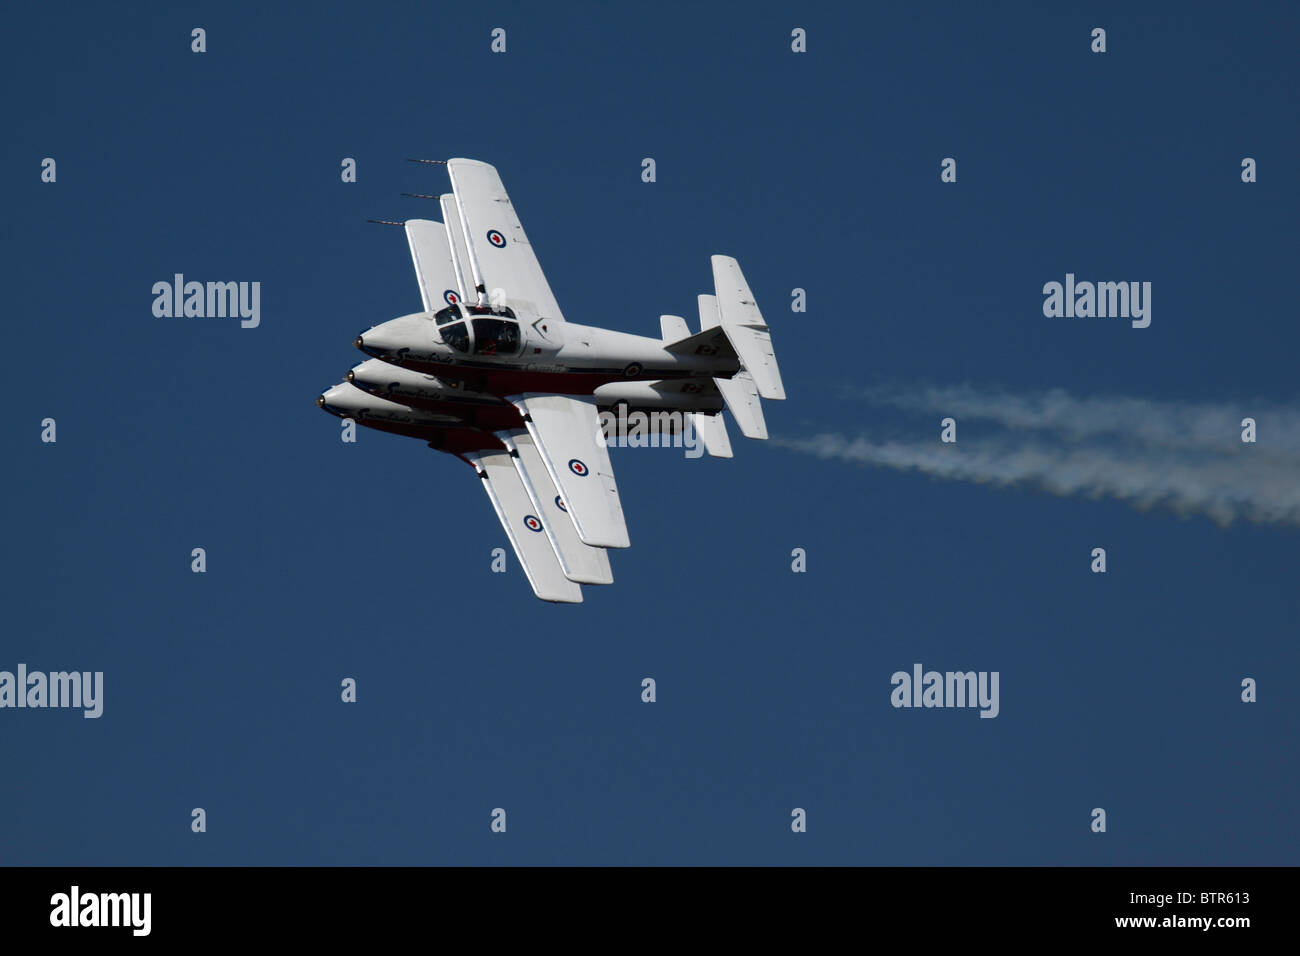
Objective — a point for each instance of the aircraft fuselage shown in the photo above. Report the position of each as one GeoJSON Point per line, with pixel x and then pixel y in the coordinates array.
{"type": "Point", "coordinates": [587, 359]}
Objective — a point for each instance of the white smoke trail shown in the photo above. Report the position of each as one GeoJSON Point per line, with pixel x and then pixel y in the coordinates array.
{"type": "Point", "coordinates": [1189, 459]}
{"type": "Point", "coordinates": [1159, 424]}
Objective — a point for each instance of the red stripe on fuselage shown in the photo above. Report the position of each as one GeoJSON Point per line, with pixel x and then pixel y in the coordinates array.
{"type": "Point", "coordinates": [514, 381]}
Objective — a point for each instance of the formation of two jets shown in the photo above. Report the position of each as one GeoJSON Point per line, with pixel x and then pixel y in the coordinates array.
{"type": "Point", "coordinates": [490, 371]}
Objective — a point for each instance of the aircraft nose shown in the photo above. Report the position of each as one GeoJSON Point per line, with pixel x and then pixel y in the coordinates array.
{"type": "Point", "coordinates": [339, 400]}
{"type": "Point", "coordinates": [375, 348]}
{"type": "Point", "coordinates": [394, 338]}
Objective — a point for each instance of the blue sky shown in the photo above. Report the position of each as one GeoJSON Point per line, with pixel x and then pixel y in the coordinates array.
{"type": "Point", "coordinates": [818, 171]}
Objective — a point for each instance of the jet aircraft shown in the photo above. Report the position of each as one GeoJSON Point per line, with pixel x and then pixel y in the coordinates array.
{"type": "Point", "coordinates": [490, 371]}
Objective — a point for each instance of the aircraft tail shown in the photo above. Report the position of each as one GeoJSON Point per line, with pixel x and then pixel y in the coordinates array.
{"type": "Point", "coordinates": [713, 432]}
{"type": "Point", "coordinates": [731, 327]}
{"type": "Point", "coordinates": [740, 392]}
{"type": "Point", "coordinates": [743, 323]}
{"type": "Point", "coordinates": [710, 426]}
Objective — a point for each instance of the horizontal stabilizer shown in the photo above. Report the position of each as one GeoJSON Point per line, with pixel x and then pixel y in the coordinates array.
{"type": "Point", "coordinates": [745, 328]}
{"type": "Point", "coordinates": [738, 392]}
{"type": "Point", "coordinates": [712, 430]}
{"type": "Point", "coordinates": [741, 396]}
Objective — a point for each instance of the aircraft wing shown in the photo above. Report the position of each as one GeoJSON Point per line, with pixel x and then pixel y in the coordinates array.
{"type": "Point", "coordinates": [434, 269]}
{"type": "Point", "coordinates": [459, 254]}
{"type": "Point", "coordinates": [500, 254]}
{"type": "Point", "coordinates": [581, 562]}
{"type": "Point", "coordinates": [566, 431]}
{"type": "Point", "coordinates": [523, 527]}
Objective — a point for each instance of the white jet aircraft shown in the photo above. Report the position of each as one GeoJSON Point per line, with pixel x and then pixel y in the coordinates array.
{"type": "Point", "coordinates": [491, 372]}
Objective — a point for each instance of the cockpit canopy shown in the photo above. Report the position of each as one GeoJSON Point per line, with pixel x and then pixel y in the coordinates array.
{"type": "Point", "coordinates": [479, 329]}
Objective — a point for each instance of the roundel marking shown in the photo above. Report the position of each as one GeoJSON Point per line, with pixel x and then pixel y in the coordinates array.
{"type": "Point", "coordinates": [579, 468]}
{"type": "Point", "coordinates": [632, 370]}
{"type": "Point", "coordinates": [559, 503]}
{"type": "Point", "coordinates": [531, 523]}
{"type": "Point", "coordinates": [451, 297]}
{"type": "Point", "coordinates": [496, 238]}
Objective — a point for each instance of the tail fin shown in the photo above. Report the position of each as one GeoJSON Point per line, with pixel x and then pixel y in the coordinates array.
{"type": "Point", "coordinates": [745, 328]}
{"type": "Point", "coordinates": [739, 392]}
